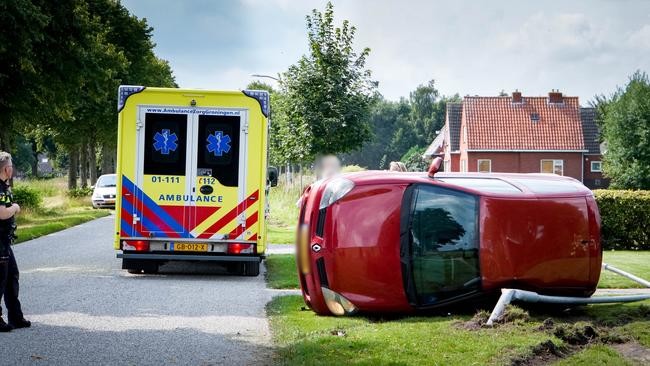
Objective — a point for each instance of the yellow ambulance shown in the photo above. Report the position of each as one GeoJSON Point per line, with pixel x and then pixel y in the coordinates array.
{"type": "Point", "coordinates": [192, 177]}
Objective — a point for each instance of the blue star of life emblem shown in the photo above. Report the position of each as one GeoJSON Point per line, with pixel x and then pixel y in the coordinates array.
{"type": "Point", "coordinates": [218, 143]}
{"type": "Point", "coordinates": [165, 142]}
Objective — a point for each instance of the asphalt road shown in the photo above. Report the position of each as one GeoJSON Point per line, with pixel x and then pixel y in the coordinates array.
{"type": "Point", "coordinates": [85, 310]}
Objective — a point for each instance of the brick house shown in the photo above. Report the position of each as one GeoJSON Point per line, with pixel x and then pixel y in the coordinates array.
{"type": "Point", "coordinates": [521, 135]}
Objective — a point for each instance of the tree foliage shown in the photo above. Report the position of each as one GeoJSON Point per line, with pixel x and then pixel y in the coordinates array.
{"type": "Point", "coordinates": [399, 127]}
{"type": "Point", "coordinates": [60, 65]}
{"type": "Point", "coordinates": [326, 95]}
{"type": "Point", "coordinates": [625, 123]}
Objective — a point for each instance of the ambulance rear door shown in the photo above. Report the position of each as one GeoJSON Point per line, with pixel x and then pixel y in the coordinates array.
{"type": "Point", "coordinates": [162, 188]}
{"type": "Point", "coordinates": [219, 168]}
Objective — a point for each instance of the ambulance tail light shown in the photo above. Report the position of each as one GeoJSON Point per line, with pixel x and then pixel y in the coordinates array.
{"type": "Point", "coordinates": [240, 248]}
{"type": "Point", "coordinates": [136, 245]}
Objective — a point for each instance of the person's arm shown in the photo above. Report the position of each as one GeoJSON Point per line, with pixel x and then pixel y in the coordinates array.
{"type": "Point", "coordinates": [7, 212]}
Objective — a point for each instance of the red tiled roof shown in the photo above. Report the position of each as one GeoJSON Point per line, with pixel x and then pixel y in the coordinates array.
{"type": "Point", "coordinates": [495, 123]}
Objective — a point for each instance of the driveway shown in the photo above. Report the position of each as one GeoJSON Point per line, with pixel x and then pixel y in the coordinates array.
{"type": "Point", "coordinates": [86, 310]}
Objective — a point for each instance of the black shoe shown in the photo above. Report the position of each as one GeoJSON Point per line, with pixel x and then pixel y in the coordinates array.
{"type": "Point", "coordinates": [4, 327]}
{"type": "Point", "coordinates": [20, 323]}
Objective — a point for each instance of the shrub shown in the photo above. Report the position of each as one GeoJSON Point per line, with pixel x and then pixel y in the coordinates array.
{"type": "Point", "coordinates": [625, 217]}
{"type": "Point", "coordinates": [352, 168]}
{"type": "Point", "coordinates": [27, 197]}
{"type": "Point", "coordinates": [80, 192]}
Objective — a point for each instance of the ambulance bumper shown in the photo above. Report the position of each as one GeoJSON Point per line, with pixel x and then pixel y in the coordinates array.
{"type": "Point", "coordinates": [172, 257]}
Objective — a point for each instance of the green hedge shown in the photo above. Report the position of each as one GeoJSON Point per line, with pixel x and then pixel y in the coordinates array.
{"type": "Point", "coordinates": [27, 197]}
{"type": "Point", "coordinates": [625, 219]}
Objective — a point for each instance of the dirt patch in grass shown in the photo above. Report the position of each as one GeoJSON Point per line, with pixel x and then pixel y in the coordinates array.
{"type": "Point", "coordinates": [543, 353]}
{"type": "Point", "coordinates": [574, 338]}
{"type": "Point", "coordinates": [634, 351]}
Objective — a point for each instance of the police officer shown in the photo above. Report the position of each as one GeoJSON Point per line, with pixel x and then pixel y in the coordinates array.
{"type": "Point", "coordinates": [8, 266]}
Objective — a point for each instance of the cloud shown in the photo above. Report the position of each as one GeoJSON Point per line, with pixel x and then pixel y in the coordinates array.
{"type": "Point", "coordinates": [581, 47]}
{"type": "Point", "coordinates": [560, 37]}
{"type": "Point", "coordinates": [640, 38]}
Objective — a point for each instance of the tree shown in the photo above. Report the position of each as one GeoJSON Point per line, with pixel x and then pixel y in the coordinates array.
{"type": "Point", "coordinates": [625, 123]}
{"type": "Point", "coordinates": [60, 74]}
{"type": "Point", "coordinates": [328, 93]}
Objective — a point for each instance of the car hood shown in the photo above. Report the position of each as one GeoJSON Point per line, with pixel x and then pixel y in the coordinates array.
{"type": "Point", "coordinates": [104, 190]}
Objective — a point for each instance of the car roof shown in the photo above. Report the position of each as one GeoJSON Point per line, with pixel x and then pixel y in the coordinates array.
{"type": "Point", "coordinates": [489, 184]}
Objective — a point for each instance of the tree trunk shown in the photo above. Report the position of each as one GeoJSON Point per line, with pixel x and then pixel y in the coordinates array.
{"type": "Point", "coordinates": [83, 162]}
{"type": "Point", "coordinates": [72, 168]}
{"type": "Point", "coordinates": [35, 161]}
{"type": "Point", "coordinates": [5, 131]}
{"type": "Point", "coordinates": [108, 158]}
{"type": "Point", "coordinates": [92, 161]}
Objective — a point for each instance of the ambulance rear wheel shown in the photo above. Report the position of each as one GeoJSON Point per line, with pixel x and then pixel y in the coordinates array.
{"type": "Point", "coordinates": [138, 266]}
{"type": "Point", "coordinates": [252, 269]}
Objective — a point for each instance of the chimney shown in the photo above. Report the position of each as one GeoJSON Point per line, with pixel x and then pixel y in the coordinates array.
{"type": "Point", "coordinates": [554, 96]}
{"type": "Point", "coordinates": [516, 97]}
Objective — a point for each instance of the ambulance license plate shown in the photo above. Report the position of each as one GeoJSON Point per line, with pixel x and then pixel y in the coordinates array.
{"type": "Point", "coordinates": [190, 247]}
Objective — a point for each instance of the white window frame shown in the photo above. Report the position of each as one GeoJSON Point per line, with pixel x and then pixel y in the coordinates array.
{"type": "Point", "coordinates": [447, 166]}
{"type": "Point", "coordinates": [600, 166]}
{"type": "Point", "coordinates": [463, 166]}
{"type": "Point", "coordinates": [478, 165]}
{"type": "Point", "coordinates": [556, 163]}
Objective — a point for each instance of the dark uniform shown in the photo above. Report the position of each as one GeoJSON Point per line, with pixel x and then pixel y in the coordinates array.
{"type": "Point", "coordinates": [8, 267]}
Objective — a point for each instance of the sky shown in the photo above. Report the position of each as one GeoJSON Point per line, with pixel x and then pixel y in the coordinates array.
{"type": "Point", "coordinates": [582, 47]}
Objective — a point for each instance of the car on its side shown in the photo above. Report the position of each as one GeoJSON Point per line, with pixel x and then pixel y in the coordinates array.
{"type": "Point", "coordinates": [104, 191]}
{"type": "Point", "coordinates": [401, 242]}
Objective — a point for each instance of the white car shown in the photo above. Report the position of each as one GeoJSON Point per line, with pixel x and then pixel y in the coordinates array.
{"type": "Point", "coordinates": [104, 192]}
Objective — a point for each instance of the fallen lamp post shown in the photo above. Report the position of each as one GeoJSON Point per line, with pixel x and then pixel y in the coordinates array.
{"type": "Point", "coordinates": [508, 295]}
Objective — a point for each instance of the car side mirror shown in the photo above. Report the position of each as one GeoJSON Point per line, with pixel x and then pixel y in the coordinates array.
{"type": "Point", "coordinates": [272, 176]}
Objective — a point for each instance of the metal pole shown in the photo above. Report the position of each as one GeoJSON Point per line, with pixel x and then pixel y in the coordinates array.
{"type": "Point", "coordinates": [626, 275]}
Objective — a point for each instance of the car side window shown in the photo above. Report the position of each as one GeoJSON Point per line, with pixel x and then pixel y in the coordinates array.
{"type": "Point", "coordinates": [444, 244]}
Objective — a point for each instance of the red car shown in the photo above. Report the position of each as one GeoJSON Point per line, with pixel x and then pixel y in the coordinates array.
{"type": "Point", "coordinates": [400, 242]}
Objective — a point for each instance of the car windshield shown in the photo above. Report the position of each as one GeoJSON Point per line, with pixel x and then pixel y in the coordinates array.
{"type": "Point", "coordinates": [106, 181]}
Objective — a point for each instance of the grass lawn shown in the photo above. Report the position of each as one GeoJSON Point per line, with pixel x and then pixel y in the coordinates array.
{"type": "Point", "coordinates": [280, 235]}
{"type": "Point", "coordinates": [281, 271]}
{"type": "Point", "coordinates": [284, 213]}
{"type": "Point", "coordinates": [636, 263]}
{"type": "Point", "coordinates": [303, 337]}
{"type": "Point", "coordinates": [57, 212]}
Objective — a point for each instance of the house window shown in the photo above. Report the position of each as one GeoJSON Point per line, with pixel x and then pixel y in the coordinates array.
{"type": "Point", "coordinates": [596, 166]}
{"type": "Point", "coordinates": [484, 165]}
{"type": "Point", "coordinates": [552, 166]}
{"type": "Point", "coordinates": [463, 166]}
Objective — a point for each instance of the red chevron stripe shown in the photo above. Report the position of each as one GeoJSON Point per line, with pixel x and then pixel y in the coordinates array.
{"type": "Point", "coordinates": [253, 238]}
{"type": "Point", "coordinates": [231, 215]}
{"type": "Point", "coordinates": [250, 221]}
{"type": "Point", "coordinates": [129, 218]}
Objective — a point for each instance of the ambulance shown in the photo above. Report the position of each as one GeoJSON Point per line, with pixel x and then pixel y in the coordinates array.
{"type": "Point", "coordinates": [192, 177]}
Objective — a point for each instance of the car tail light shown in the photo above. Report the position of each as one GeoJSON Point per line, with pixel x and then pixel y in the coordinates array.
{"type": "Point", "coordinates": [336, 303]}
{"type": "Point", "coordinates": [137, 245]}
{"type": "Point", "coordinates": [240, 248]}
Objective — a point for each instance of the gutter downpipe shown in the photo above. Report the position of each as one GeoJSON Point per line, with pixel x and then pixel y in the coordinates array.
{"type": "Point", "coordinates": [508, 295]}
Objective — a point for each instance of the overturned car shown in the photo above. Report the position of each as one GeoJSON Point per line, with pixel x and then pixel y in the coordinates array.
{"type": "Point", "coordinates": [401, 242]}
